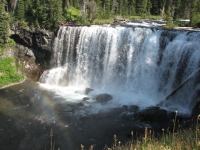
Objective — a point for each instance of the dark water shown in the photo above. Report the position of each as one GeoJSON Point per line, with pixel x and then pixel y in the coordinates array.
{"type": "Point", "coordinates": [27, 116]}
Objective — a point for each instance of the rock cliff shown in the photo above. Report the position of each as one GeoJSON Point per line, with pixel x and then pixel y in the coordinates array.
{"type": "Point", "coordinates": [34, 49]}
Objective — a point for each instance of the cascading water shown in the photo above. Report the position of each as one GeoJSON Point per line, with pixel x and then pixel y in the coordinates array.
{"type": "Point", "coordinates": [137, 66]}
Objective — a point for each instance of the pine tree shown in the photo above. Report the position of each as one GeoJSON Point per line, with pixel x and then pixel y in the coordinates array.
{"type": "Point", "coordinates": [55, 13]}
{"type": "Point", "coordinates": [4, 24]}
{"type": "Point", "coordinates": [155, 7]}
{"type": "Point", "coordinates": [168, 12]}
{"type": "Point", "coordinates": [149, 6]}
{"type": "Point", "coordinates": [125, 8]}
{"type": "Point", "coordinates": [131, 7]}
{"type": "Point", "coordinates": [195, 13]}
{"type": "Point", "coordinates": [141, 7]}
{"type": "Point", "coordinates": [20, 10]}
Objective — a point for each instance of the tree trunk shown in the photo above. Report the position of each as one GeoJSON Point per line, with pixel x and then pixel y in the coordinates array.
{"type": "Point", "coordinates": [181, 85]}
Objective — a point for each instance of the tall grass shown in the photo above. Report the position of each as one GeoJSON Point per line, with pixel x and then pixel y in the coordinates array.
{"type": "Point", "coordinates": [178, 139]}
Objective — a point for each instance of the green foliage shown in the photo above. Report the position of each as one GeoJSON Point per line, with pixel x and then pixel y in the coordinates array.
{"type": "Point", "coordinates": [195, 13]}
{"type": "Point", "coordinates": [168, 17]}
{"type": "Point", "coordinates": [170, 26]}
{"type": "Point", "coordinates": [4, 24]}
{"type": "Point", "coordinates": [103, 21]}
{"type": "Point", "coordinates": [72, 14]}
{"type": "Point", "coordinates": [20, 9]}
{"type": "Point", "coordinates": [10, 43]}
{"type": "Point", "coordinates": [8, 72]}
{"type": "Point", "coordinates": [49, 14]}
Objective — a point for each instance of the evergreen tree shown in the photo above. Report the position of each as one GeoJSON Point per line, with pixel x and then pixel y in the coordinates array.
{"type": "Point", "coordinates": [55, 13]}
{"type": "Point", "coordinates": [20, 10]}
{"type": "Point", "coordinates": [155, 7]}
{"type": "Point", "coordinates": [125, 8]}
{"type": "Point", "coordinates": [131, 8]}
{"type": "Point", "coordinates": [4, 24]}
{"type": "Point", "coordinates": [195, 13]}
{"type": "Point", "coordinates": [168, 12]}
{"type": "Point", "coordinates": [141, 7]}
{"type": "Point", "coordinates": [149, 6]}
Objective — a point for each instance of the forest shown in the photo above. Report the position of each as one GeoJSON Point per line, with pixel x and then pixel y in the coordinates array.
{"type": "Point", "coordinates": [49, 14]}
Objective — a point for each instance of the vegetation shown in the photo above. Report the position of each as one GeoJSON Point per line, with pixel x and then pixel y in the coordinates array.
{"type": "Point", "coordinates": [8, 72]}
{"type": "Point", "coordinates": [10, 43]}
{"type": "Point", "coordinates": [181, 140]}
{"type": "Point", "coordinates": [49, 14]}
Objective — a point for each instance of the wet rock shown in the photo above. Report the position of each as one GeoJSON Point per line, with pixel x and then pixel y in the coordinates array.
{"type": "Point", "coordinates": [80, 104]}
{"type": "Point", "coordinates": [133, 108]}
{"type": "Point", "coordinates": [38, 40]}
{"type": "Point", "coordinates": [154, 114]}
{"type": "Point", "coordinates": [195, 113]}
{"type": "Point", "coordinates": [103, 98]}
{"type": "Point", "coordinates": [85, 98]}
{"type": "Point", "coordinates": [88, 90]}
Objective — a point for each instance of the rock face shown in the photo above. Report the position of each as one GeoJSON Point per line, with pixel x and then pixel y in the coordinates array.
{"type": "Point", "coordinates": [34, 49]}
{"type": "Point", "coordinates": [39, 41]}
{"type": "Point", "coordinates": [103, 98]}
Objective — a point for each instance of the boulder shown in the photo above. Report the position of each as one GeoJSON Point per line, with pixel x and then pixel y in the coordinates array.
{"type": "Point", "coordinates": [85, 98]}
{"type": "Point", "coordinates": [103, 98]}
{"type": "Point", "coordinates": [153, 114]}
{"type": "Point", "coordinates": [88, 90]}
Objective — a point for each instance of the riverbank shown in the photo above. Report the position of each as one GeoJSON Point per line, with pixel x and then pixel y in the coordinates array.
{"type": "Point", "coordinates": [6, 86]}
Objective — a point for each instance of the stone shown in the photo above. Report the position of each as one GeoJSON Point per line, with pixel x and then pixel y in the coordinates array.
{"type": "Point", "coordinates": [85, 98]}
{"type": "Point", "coordinates": [88, 90]}
{"type": "Point", "coordinates": [103, 98]}
{"type": "Point", "coordinates": [154, 114]}
{"type": "Point", "coordinates": [39, 41]}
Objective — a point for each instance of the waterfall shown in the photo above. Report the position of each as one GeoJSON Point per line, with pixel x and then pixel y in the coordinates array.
{"type": "Point", "coordinates": [136, 65]}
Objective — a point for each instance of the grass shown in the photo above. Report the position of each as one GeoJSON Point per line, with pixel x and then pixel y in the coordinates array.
{"type": "Point", "coordinates": [10, 43]}
{"type": "Point", "coordinates": [152, 17]}
{"type": "Point", "coordinates": [8, 68]}
{"type": "Point", "coordinates": [103, 21]}
{"type": "Point", "coordinates": [8, 72]}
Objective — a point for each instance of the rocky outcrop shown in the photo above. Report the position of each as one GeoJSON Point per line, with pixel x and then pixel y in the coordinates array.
{"type": "Point", "coordinates": [103, 98]}
{"type": "Point", "coordinates": [39, 41]}
{"type": "Point", "coordinates": [154, 114]}
{"type": "Point", "coordinates": [34, 49]}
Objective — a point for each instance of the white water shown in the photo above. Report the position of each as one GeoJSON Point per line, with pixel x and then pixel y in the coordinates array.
{"type": "Point", "coordinates": [139, 66]}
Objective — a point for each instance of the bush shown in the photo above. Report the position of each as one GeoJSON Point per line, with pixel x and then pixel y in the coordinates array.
{"type": "Point", "coordinates": [72, 14]}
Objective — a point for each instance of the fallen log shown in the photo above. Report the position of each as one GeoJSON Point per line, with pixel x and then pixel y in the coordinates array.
{"type": "Point", "coordinates": [180, 86]}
